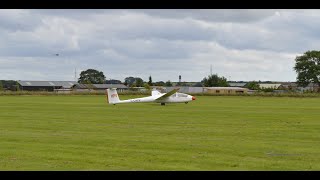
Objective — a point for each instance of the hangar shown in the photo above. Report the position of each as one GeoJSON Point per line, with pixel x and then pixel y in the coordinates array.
{"type": "Point", "coordinates": [45, 85]}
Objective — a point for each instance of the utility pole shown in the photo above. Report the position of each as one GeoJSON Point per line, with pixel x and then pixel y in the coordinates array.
{"type": "Point", "coordinates": [211, 69]}
{"type": "Point", "coordinates": [75, 74]}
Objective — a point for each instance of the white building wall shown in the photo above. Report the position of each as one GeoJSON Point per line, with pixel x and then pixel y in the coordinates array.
{"type": "Point", "coordinates": [186, 89]}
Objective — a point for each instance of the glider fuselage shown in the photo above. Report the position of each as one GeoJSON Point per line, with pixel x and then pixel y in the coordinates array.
{"type": "Point", "coordinates": [157, 97]}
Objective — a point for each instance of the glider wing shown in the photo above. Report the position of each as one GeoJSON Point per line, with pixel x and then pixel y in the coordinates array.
{"type": "Point", "coordinates": [167, 94]}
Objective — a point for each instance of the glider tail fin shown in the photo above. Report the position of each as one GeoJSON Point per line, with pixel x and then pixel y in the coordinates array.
{"type": "Point", "coordinates": [112, 96]}
{"type": "Point", "coordinates": [155, 93]}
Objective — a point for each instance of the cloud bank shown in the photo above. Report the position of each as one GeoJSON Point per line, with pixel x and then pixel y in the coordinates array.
{"type": "Point", "coordinates": [239, 44]}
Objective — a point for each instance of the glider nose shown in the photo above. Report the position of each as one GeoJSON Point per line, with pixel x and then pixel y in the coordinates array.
{"type": "Point", "coordinates": [193, 98]}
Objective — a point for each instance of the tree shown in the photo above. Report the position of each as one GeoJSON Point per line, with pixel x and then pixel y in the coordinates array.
{"type": "Point", "coordinates": [168, 83]}
{"type": "Point", "coordinates": [113, 81]}
{"type": "Point", "coordinates": [150, 81]}
{"type": "Point", "coordinates": [182, 83]}
{"type": "Point", "coordinates": [146, 85]}
{"type": "Point", "coordinates": [198, 84]}
{"type": "Point", "coordinates": [139, 82]}
{"type": "Point", "coordinates": [215, 81]}
{"type": "Point", "coordinates": [1, 86]}
{"type": "Point", "coordinates": [9, 84]}
{"type": "Point", "coordinates": [128, 81]}
{"type": "Point", "coordinates": [253, 85]}
{"type": "Point", "coordinates": [18, 86]}
{"type": "Point", "coordinates": [160, 83]}
{"type": "Point", "coordinates": [307, 68]}
{"type": "Point", "coordinates": [89, 85]}
{"type": "Point", "coordinates": [93, 76]}
{"type": "Point", "coordinates": [132, 87]}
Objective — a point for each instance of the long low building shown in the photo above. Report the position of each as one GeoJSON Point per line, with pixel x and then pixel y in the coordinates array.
{"type": "Point", "coordinates": [269, 86]}
{"type": "Point", "coordinates": [45, 85]}
{"type": "Point", "coordinates": [185, 89]}
{"type": "Point", "coordinates": [225, 90]}
{"type": "Point", "coordinates": [213, 90]}
{"type": "Point", "coordinates": [98, 87]}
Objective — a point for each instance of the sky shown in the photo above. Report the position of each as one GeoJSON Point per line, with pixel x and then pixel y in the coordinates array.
{"type": "Point", "coordinates": [239, 44]}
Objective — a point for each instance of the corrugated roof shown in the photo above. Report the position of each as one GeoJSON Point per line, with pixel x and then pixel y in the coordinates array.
{"type": "Point", "coordinates": [229, 88]}
{"type": "Point", "coordinates": [235, 84]}
{"type": "Point", "coordinates": [105, 86]}
{"type": "Point", "coordinates": [82, 86]}
{"type": "Point", "coordinates": [100, 86]}
{"type": "Point", "coordinates": [65, 84]}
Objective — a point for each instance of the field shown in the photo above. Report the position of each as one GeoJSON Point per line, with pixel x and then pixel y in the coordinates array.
{"type": "Point", "coordinates": [211, 133]}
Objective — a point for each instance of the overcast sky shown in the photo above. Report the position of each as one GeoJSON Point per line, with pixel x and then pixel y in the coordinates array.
{"type": "Point", "coordinates": [239, 44]}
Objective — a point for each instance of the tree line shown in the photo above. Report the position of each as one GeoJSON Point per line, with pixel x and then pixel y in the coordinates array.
{"type": "Point", "coordinates": [307, 67]}
{"type": "Point", "coordinates": [92, 76]}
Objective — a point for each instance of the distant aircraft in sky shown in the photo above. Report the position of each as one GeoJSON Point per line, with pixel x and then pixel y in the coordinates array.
{"type": "Point", "coordinates": [157, 97]}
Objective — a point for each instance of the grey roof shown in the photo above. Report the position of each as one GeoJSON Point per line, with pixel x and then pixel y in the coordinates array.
{"type": "Point", "coordinates": [100, 86]}
{"type": "Point", "coordinates": [105, 86]}
{"type": "Point", "coordinates": [65, 84]}
{"type": "Point", "coordinates": [237, 84]}
{"type": "Point", "coordinates": [289, 84]}
{"type": "Point", "coordinates": [82, 86]}
{"type": "Point", "coordinates": [229, 88]}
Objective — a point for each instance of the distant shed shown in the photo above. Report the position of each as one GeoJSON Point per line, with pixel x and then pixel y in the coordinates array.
{"type": "Point", "coordinates": [269, 86]}
{"type": "Point", "coordinates": [45, 85]}
{"type": "Point", "coordinates": [185, 89]}
{"type": "Point", "coordinates": [237, 84]}
{"type": "Point", "coordinates": [98, 87]}
{"type": "Point", "coordinates": [225, 90]}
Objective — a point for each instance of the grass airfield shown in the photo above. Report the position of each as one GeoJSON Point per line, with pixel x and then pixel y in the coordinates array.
{"type": "Point", "coordinates": [211, 133]}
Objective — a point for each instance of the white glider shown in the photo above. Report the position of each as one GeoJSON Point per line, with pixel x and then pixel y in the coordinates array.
{"type": "Point", "coordinates": [157, 97]}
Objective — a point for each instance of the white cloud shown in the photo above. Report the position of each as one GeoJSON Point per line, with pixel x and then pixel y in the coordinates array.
{"type": "Point", "coordinates": [240, 44]}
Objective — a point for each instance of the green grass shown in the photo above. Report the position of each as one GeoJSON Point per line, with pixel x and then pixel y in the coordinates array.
{"type": "Point", "coordinates": [211, 133]}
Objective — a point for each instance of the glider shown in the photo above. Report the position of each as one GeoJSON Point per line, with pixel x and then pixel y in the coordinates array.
{"type": "Point", "coordinates": [157, 97]}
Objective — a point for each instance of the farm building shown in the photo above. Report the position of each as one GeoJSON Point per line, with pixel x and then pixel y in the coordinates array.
{"type": "Point", "coordinates": [185, 89]}
{"type": "Point", "coordinates": [237, 84]}
{"type": "Point", "coordinates": [215, 90]}
{"type": "Point", "coordinates": [225, 90]}
{"type": "Point", "coordinates": [311, 87]}
{"type": "Point", "coordinates": [98, 87]}
{"type": "Point", "coordinates": [269, 86]}
{"type": "Point", "coordinates": [45, 85]}
{"type": "Point", "coordinates": [288, 86]}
